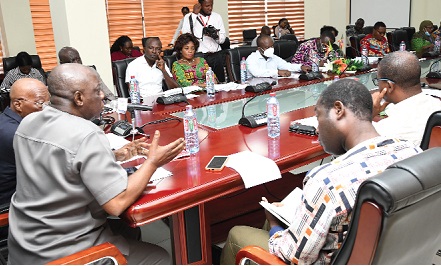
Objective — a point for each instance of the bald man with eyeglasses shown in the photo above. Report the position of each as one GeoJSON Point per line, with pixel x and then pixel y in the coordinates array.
{"type": "Point", "coordinates": [27, 95]}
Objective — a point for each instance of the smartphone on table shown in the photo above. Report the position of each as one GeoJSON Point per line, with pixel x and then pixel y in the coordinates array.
{"type": "Point", "coordinates": [217, 163]}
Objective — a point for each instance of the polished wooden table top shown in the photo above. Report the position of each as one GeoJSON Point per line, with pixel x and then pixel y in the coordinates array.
{"type": "Point", "coordinates": [191, 184]}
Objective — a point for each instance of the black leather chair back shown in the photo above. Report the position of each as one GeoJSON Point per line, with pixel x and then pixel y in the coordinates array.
{"type": "Point", "coordinates": [249, 35]}
{"type": "Point", "coordinates": [368, 29]}
{"type": "Point", "coordinates": [9, 63]}
{"type": "Point", "coordinates": [395, 37]}
{"type": "Point", "coordinates": [433, 121]}
{"type": "Point", "coordinates": [233, 61]}
{"type": "Point", "coordinates": [169, 60]}
{"type": "Point", "coordinates": [285, 49]}
{"type": "Point", "coordinates": [408, 197]}
{"type": "Point", "coordinates": [289, 37]}
{"type": "Point", "coordinates": [355, 43]}
{"type": "Point", "coordinates": [410, 32]}
{"type": "Point", "coordinates": [119, 76]}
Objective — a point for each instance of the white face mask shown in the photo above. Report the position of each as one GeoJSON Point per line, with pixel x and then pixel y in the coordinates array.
{"type": "Point", "coordinates": [269, 52]}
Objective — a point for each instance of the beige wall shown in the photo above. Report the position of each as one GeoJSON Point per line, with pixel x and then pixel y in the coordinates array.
{"type": "Point", "coordinates": [221, 7]}
{"type": "Point", "coordinates": [16, 27]}
{"type": "Point", "coordinates": [72, 25]}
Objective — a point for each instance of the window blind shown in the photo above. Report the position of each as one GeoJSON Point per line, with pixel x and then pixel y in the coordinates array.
{"type": "Point", "coordinates": [162, 18]}
{"type": "Point", "coordinates": [44, 34]}
{"type": "Point", "coordinates": [250, 14]}
{"type": "Point", "coordinates": [245, 15]}
{"type": "Point", "coordinates": [293, 10]}
{"type": "Point", "coordinates": [124, 17]}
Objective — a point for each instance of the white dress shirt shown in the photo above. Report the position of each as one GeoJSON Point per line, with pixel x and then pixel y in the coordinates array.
{"type": "Point", "coordinates": [407, 119]}
{"type": "Point", "coordinates": [149, 78]}
{"type": "Point", "coordinates": [259, 67]}
{"type": "Point", "coordinates": [206, 44]}
{"type": "Point", "coordinates": [178, 31]}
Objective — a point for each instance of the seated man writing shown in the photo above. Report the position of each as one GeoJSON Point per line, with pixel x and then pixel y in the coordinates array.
{"type": "Point", "coordinates": [263, 63]}
{"type": "Point", "coordinates": [68, 180]}
{"type": "Point", "coordinates": [344, 114]}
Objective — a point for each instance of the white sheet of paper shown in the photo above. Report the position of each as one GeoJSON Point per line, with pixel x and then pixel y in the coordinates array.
{"type": "Point", "coordinates": [116, 141]}
{"type": "Point", "coordinates": [230, 86]}
{"type": "Point", "coordinates": [186, 90]}
{"type": "Point", "coordinates": [122, 105]}
{"type": "Point", "coordinates": [286, 212]}
{"type": "Point", "coordinates": [254, 169]}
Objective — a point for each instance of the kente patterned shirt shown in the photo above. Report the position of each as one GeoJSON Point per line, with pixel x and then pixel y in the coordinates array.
{"type": "Point", "coordinates": [374, 46]}
{"type": "Point", "coordinates": [322, 218]}
{"type": "Point", "coordinates": [306, 51]}
{"type": "Point", "coordinates": [186, 75]}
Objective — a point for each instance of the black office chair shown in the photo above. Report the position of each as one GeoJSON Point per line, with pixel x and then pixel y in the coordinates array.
{"type": "Point", "coordinates": [285, 49]}
{"type": "Point", "coordinates": [395, 219]}
{"type": "Point", "coordinates": [233, 61]}
{"type": "Point", "coordinates": [432, 132]}
{"type": "Point", "coordinates": [9, 63]}
{"type": "Point", "coordinates": [4, 209]}
{"type": "Point", "coordinates": [289, 37]}
{"type": "Point", "coordinates": [249, 35]}
{"type": "Point", "coordinates": [355, 45]}
{"type": "Point", "coordinates": [395, 37]}
{"type": "Point", "coordinates": [368, 29]}
{"type": "Point", "coordinates": [410, 33]}
{"type": "Point", "coordinates": [119, 76]}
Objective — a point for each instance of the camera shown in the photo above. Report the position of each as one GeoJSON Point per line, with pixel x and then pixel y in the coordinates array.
{"type": "Point", "coordinates": [211, 32]}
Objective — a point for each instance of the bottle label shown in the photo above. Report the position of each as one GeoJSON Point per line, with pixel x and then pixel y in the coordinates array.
{"type": "Point", "coordinates": [272, 110]}
{"type": "Point", "coordinates": [190, 125]}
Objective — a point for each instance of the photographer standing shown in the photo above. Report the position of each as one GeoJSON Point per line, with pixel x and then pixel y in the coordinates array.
{"type": "Point", "coordinates": [209, 28]}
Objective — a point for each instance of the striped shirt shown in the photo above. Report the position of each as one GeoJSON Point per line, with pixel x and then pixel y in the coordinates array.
{"type": "Point", "coordinates": [322, 219]}
{"type": "Point", "coordinates": [15, 74]}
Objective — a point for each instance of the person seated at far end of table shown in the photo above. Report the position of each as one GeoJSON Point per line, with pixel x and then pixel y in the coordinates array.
{"type": "Point", "coordinates": [150, 70]}
{"type": "Point", "coordinates": [422, 40]}
{"type": "Point", "coordinates": [322, 216]}
{"type": "Point", "coordinates": [263, 63]}
{"type": "Point", "coordinates": [376, 43]}
{"type": "Point", "coordinates": [24, 69]}
{"type": "Point", "coordinates": [398, 81]}
{"type": "Point", "coordinates": [317, 47]}
{"type": "Point", "coordinates": [283, 28]}
{"type": "Point", "coordinates": [189, 70]}
{"type": "Point", "coordinates": [265, 30]}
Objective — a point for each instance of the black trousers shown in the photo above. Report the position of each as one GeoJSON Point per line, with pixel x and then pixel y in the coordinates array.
{"type": "Point", "coordinates": [217, 63]}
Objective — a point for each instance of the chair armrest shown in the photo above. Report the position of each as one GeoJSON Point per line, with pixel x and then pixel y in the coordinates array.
{"type": "Point", "coordinates": [258, 255]}
{"type": "Point", "coordinates": [4, 221]}
{"type": "Point", "coordinates": [92, 254]}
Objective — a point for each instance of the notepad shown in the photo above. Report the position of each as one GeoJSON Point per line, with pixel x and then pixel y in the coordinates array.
{"type": "Point", "coordinates": [285, 213]}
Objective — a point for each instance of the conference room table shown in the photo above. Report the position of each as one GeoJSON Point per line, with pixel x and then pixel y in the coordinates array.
{"type": "Point", "coordinates": [184, 195]}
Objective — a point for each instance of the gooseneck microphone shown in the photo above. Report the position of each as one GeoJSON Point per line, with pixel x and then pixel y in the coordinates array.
{"type": "Point", "coordinates": [131, 107]}
{"type": "Point", "coordinates": [255, 120]}
{"type": "Point", "coordinates": [311, 75]}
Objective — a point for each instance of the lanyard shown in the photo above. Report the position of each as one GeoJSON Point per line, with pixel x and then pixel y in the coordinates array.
{"type": "Point", "coordinates": [203, 22]}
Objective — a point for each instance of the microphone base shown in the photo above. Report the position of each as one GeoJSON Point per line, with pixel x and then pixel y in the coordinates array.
{"type": "Point", "coordinates": [311, 76]}
{"type": "Point", "coordinates": [434, 75]}
{"type": "Point", "coordinates": [254, 121]}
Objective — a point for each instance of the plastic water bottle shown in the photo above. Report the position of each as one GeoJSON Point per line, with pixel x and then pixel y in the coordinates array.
{"type": "Point", "coordinates": [314, 63]}
{"type": "Point", "coordinates": [191, 130]}
{"type": "Point", "coordinates": [437, 46]}
{"type": "Point", "coordinates": [273, 148]}
{"type": "Point", "coordinates": [273, 116]}
{"type": "Point", "coordinates": [135, 96]}
{"type": "Point", "coordinates": [402, 46]}
{"type": "Point", "coordinates": [243, 71]}
{"type": "Point", "coordinates": [364, 56]}
{"type": "Point", "coordinates": [209, 79]}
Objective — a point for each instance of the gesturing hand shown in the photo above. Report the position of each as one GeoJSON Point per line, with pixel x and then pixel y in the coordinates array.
{"type": "Point", "coordinates": [131, 149]}
{"type": "Point", "coordinates": [160, 64]}
{"type": "Point", "coordinates": [160, 155]}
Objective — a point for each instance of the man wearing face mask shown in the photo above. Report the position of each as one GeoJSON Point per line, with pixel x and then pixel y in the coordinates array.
{"type": "Point", "coordinates": [263, 63]}
{"type": "Point", "coordinates": [317, 47]}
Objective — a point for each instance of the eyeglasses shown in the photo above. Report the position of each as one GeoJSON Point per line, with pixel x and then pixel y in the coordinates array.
{"type": "Point", "coordinates": [375, 80]}
{"type": "Point", "coordinates": [38, 104]}
{"type": "Point", "coordinates": [381, 33]}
